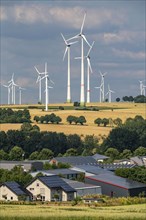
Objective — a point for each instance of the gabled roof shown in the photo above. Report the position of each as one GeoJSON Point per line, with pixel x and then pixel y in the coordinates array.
{"type": "Point", "coordinates": [76, 160]}
{"type": "Point", "coordinates": [15, 188]}
{"type": "Point", "coordinates": [55, 182]}
{"type": "Point", "coordinates": [117, 181]}
{"type": "Point", "coordinates": [79, 185]}
{"type": "Point", "coordinates": [99, 157]}
{"type": "Point", "coordinates": [139, 160]}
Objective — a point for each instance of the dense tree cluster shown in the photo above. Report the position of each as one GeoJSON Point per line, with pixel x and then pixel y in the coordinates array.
{"type": "Point", "coordinates": [30, 143]}
{"type": "Point", "coordinates": [16, 174]}
{"type": "Point", "coordinates": [52, 118]}
{"type": "Point", "coordinates": [77, 120]}
{"type": "Point", "coordinates": [130, 135]}
{"type": "Point", "coordinates": [10, 116]}
{"type": "Point", "coordinates": [135, 173]}
{"type": "Point", "coordinates": [104, 121]}
{"type": "Point", "coordinates": [137, 99]}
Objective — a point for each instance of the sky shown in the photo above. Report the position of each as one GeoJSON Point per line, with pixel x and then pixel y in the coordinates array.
{"type": "Point", "coordinates": [31, 35]}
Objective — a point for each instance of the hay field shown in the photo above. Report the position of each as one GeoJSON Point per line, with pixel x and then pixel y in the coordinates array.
{"type": "Point", "coordinates": [121, 110]}
{"type": "Point", "coordinates": [47, 212]}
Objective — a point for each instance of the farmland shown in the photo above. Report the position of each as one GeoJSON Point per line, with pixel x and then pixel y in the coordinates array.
{"type": "Point", "coordinates": [107, 110]}
{"type": "Point", "coordinates": [52, 212]}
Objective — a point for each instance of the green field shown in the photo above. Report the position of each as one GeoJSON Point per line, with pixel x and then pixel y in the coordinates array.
{"type": "Point", "coordinates": [47, 212]}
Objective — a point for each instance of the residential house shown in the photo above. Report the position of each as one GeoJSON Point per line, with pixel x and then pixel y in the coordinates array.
{"type": "Point", "coordinates": [51, 188]}
{"type": "Point", "coordinates": [12, 191]}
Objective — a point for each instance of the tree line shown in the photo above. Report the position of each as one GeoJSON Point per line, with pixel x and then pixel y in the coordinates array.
{"type": "Point", "coordinates": [129, 135]}
{"type": "Point", "coordinates": [135, 173]}
{"type": "Point", "coordinates": [10, 116]}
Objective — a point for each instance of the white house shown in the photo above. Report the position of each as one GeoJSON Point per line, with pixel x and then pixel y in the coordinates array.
{"type": "Point", "coordinates": [12, 191]}
{"type": "Point", "coordinates": [51, 188]}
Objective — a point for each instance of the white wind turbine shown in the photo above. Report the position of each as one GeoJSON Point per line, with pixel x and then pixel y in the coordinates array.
{"type": "Point", "coordinates": [109, 93]}
{"type": "Point", "coordinates": [83, 38]}
{"type": "Point", "coordinates": [13, 85]}
{"type": "Point", "coordinates": [100, 92]}
{"type": "Point", "coordinates": [141, 87]}
{"type": "Point", "coordinates": [40, 83]}
{"type": "Point", "coordinates": [9, 90]}
{"type": "Point", "coordinates": [67, 49]}
{"type": "Point", "coordinates": [89, 70]}
{"type": "Point", "coordinates": [20, 94]}
{"type": "Point", "coordinates": [102, 85]}
{"type": "Point", "coordinates": [47, 78]}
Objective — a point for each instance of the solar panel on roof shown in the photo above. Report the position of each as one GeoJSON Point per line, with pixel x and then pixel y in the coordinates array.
{"type": "Point", "coordinates": [15, 187]}
{"type": "Point", "coordinates": [55, 182]}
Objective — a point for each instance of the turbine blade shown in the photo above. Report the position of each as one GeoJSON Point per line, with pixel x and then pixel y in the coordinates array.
{"type": "Point", "coordinates": [75, 37]}
{"type": "Point", "coordinates": [66, 49]}
{"type": "Point", "coordinates": [90, 48]}
{"type": "Point", "coordinates": [64, 39]}
{"type": "Point", "coordinates": [52, 81]}
{"type": "Point", "coordinates": [73, 43]}
{"type": "Point", "coordinates": [77, 58]}
{"type": "Point", "coordinates": [45, 67]}
{"type": "Point", "coordinates": [83, 23]}
{"type": "Point", "coordinates": [89, 64]}
{"type": "Point", "coordinates": [83, 36]}
{"type": "Point", "coordinates": [36, 70]}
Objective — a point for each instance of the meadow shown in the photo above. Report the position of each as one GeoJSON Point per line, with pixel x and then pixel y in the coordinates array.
{"type": "Point", "coordinates": [51, 212]}
{"type": "Point", "coordinates": [108, 110]}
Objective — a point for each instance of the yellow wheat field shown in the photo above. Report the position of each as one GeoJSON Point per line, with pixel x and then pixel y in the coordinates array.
{"type": "Point", "coordinates": [124, 111]}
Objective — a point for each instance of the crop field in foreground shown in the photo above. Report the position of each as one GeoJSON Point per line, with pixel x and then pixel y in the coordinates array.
{"type": "Point", "coordinates": [121, 110]}
{"type": "Point", "coordinates": [46, 212]}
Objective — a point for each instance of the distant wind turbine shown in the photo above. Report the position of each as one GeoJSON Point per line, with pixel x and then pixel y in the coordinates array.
{"type": "Point", "coordinates": [40, 83]}
{"type": "Point", "coordinates": [20, 94]}
{"type": "Point", "coordinates": [67, 49]}
{"type": "Point", "coordinates": [109, 93]}
{"type": "Point", "coordinates": [9, 89]}
{"type": "Point", "coordinates": [47, 78]}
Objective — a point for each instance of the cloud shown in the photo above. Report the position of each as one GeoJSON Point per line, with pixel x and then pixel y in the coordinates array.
{"type": "Point", "coordinates": [129, 54]}
{"type": "Point", "coordinates": [123, 36]}
{"type": "Point", "coordinates": [69, 15]}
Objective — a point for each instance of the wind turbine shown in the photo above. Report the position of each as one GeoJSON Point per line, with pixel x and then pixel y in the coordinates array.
{"type": "Point", "coordinates": [68, 74]}
{"type": "Point", "coordinates": [109, 93]}
{"type": "Point", "coordinates": [20, 94]}
{"type": "Point", "coordinates": [13, 85]}
{"type": "Point", "coordinates": [40, 83]}
{"type": "Point", "coordinates": [141, 87]}
{"type": "Point", "coordinates": [102, 83]}
{"type": "Point", "coordinates": [9, 89]}
{"type": "Point", "coordinates": [89, 69]}
{"type": "Point", "coordinates": [83, 38]}
{"type": "Point", "coordinates": [47, 78]}
{"type": "Point", "coordinates": [100, 92]}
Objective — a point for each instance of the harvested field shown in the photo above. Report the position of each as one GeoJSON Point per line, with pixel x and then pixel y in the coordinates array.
{"type": "Point", "coordinates": [115, 110]}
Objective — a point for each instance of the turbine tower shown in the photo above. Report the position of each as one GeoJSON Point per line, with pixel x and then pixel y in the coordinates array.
{"type": "Point", "coordinates": [102, 84]}
{"type": "Point", "coordinates": [20, 94]}
{"type": "Point", "coordinates": [109, 93]}
{"type": "Point", "coordinates": [40, 83]}
{"type": "Point", "coordinates": [100, 92]}
{"type": "Point", "coordinates": [141, 87]}
{"type": "Point", "coordinates": [83, 38]}
{"type": "Point", "coordinates": [89, 70]}
{"type": "Point", "coordinates": [47, 78]}
{"type": "Point", "coordinates": [68, 74]}
{"type": "Point", "coordinates": [9, 89]}
{"type": "Point", "coordinates": [13, 85]}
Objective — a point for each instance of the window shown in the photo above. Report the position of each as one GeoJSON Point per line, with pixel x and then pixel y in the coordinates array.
{"type": "Point", "coordinates": [31, 188]}
{"type": "Point", "coordinates": [37, 184]}
{"type": "Point", "coordinates": [11, 198]}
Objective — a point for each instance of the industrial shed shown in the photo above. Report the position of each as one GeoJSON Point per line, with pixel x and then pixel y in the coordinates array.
{"type": "Point", "coordinates": [116, 186]}
{"type": "Point", "coordinates": [83, 189]}
{"type": "Point", "coordinates": [65, 173]}
{"type": "Point", "coordinates": [26, 165]}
